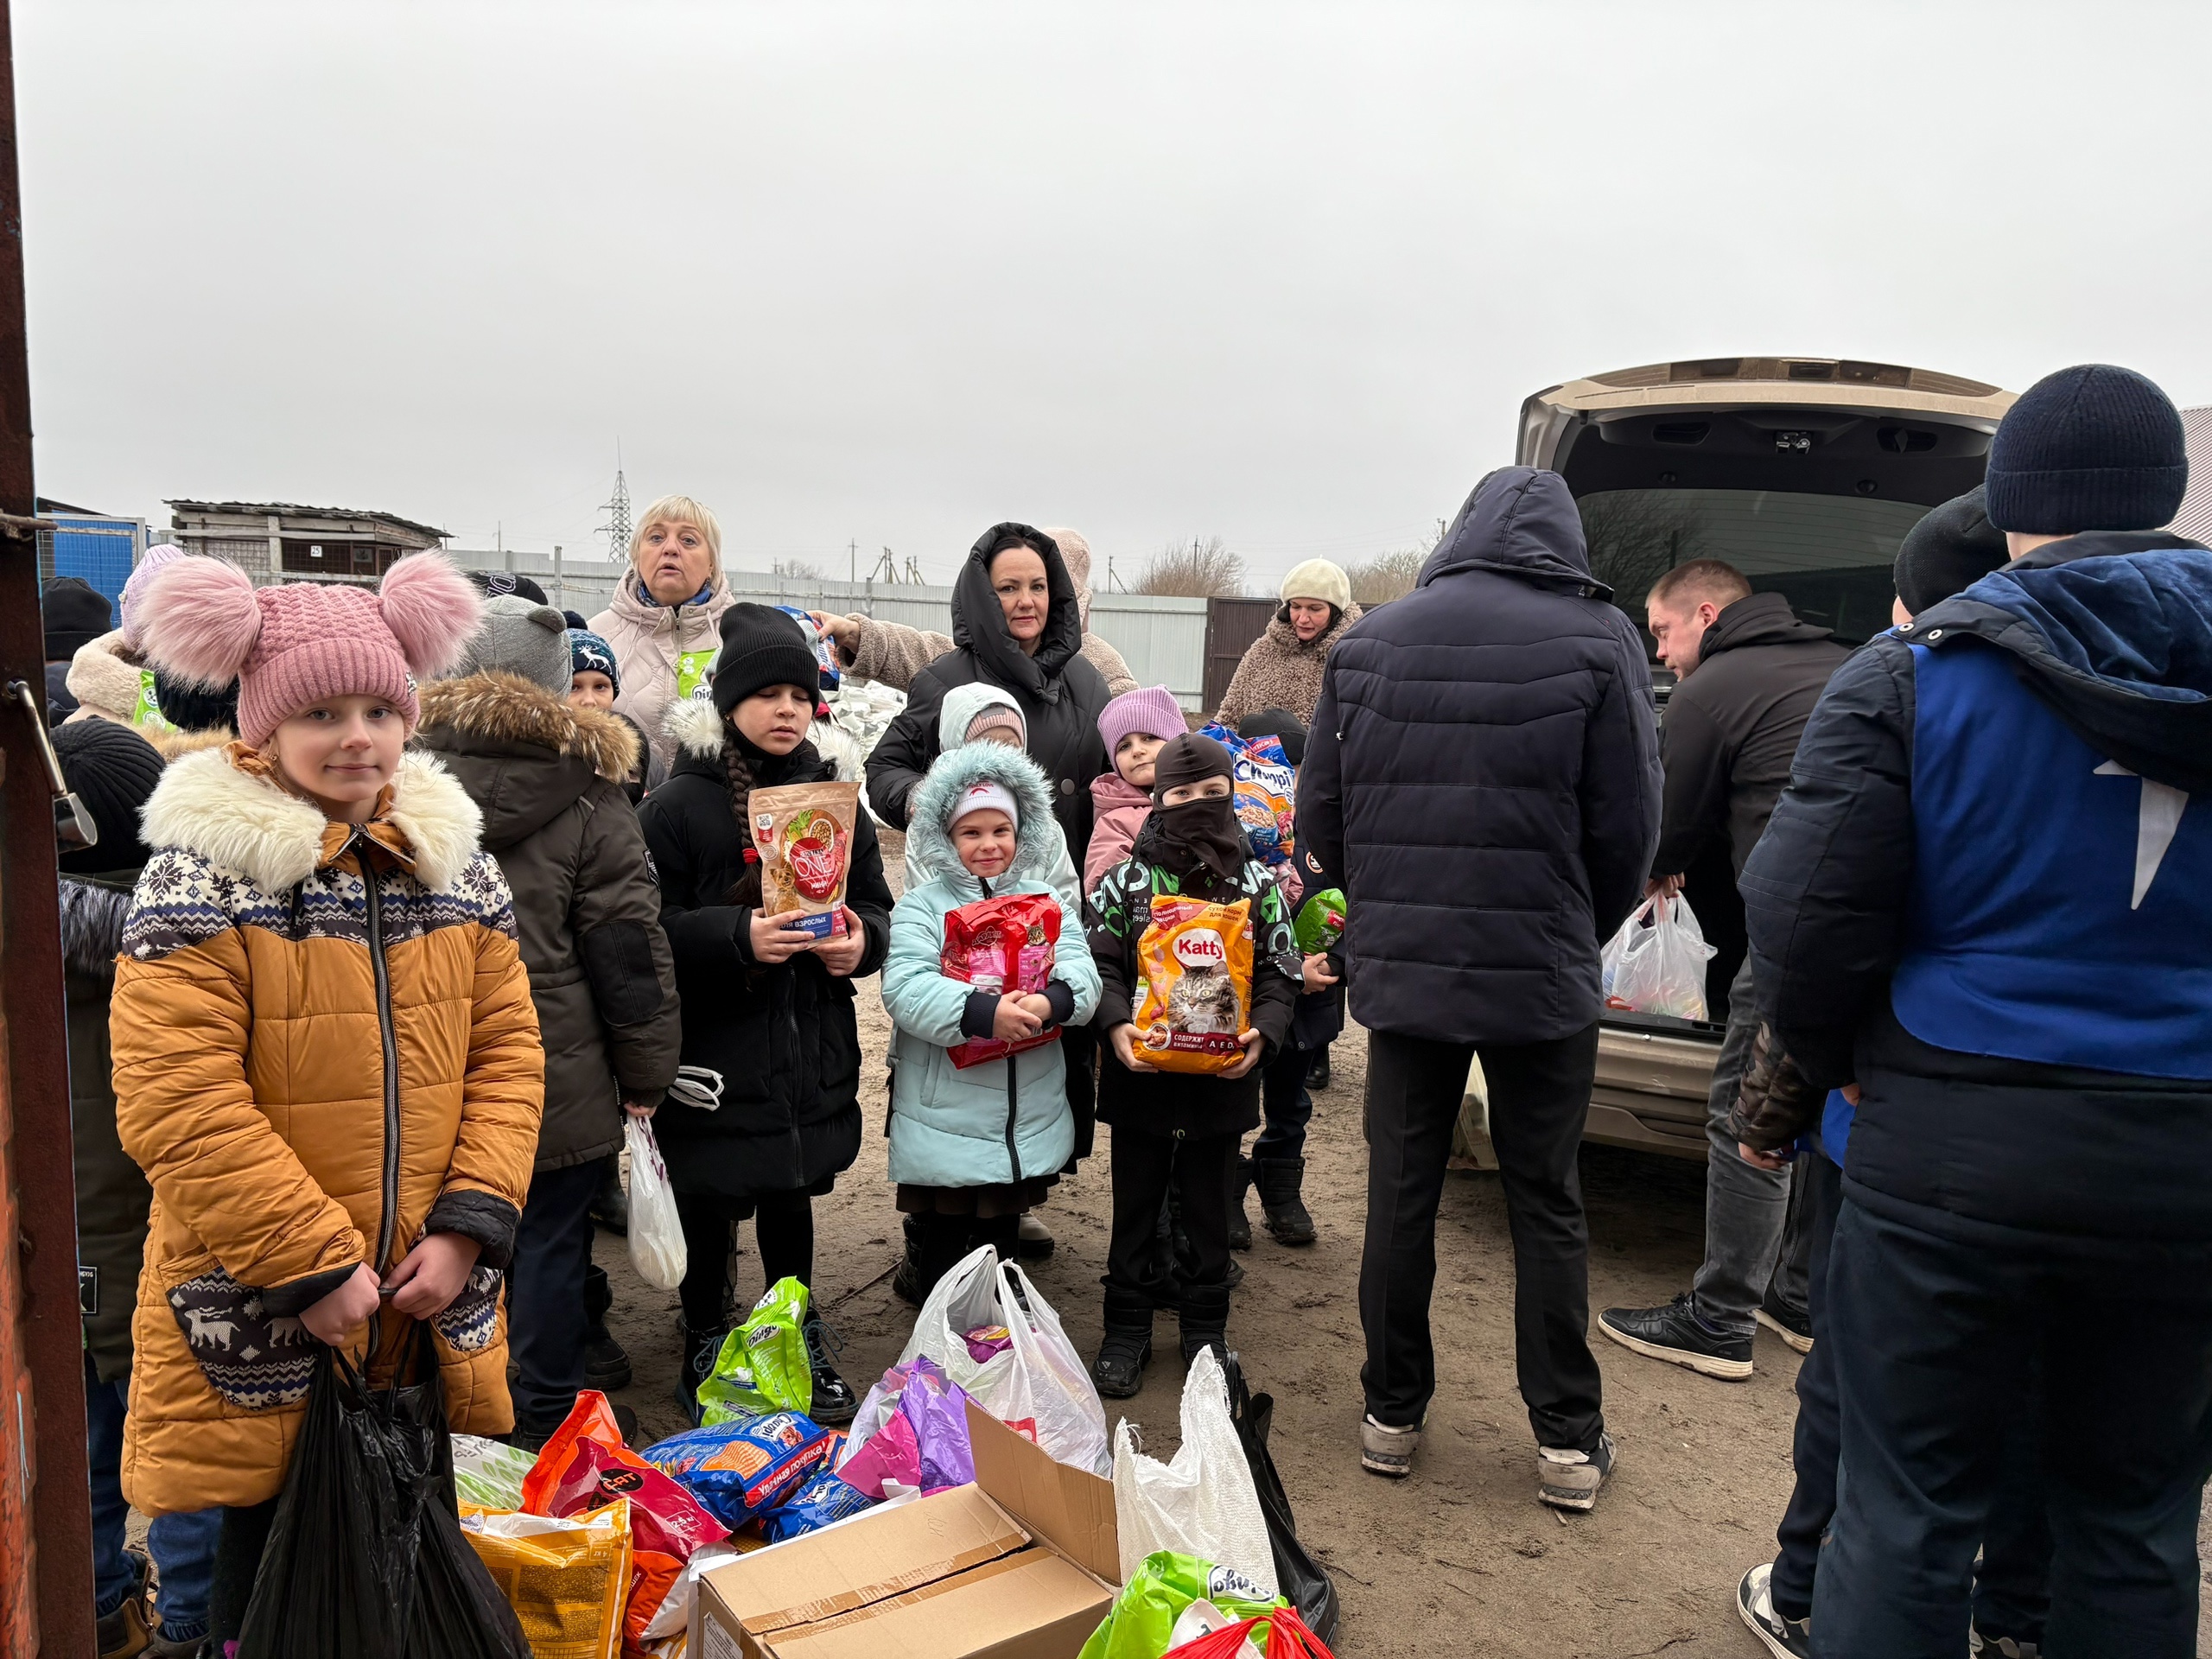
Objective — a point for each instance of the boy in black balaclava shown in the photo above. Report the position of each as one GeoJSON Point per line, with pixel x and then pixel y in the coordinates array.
{"type": "Point", "coordinates": [1179, 1127]}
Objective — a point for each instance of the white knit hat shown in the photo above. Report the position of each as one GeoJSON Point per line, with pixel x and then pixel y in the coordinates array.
{"type": "Point", "coordinates": [1319, 579]}
{"type": "Point", "coordinates": [984, 797]}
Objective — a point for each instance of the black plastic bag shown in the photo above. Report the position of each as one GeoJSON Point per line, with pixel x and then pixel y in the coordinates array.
{"type": "Point", "coordinates": [1303, 1582]}
{"type": "Point", "coordinates": [365, 1557]}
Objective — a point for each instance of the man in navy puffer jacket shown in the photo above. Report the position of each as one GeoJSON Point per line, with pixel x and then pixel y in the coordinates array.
{"type": "Point", "coordinates": [1482, 780]}
{"type": "Point", "coordinates": [1987, 896]}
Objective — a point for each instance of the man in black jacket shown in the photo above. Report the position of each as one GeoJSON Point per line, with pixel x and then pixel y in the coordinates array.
{"type": "Point", "coordinates": [1750, 673]}
{"type": "Point", "coordinates": [1985, 897]}
{"type": "Point", "coordinates": [1482, 780]}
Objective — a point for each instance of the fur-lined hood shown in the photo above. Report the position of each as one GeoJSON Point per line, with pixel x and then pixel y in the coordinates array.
{"type": "Point", "coordinates": [104, 677]}
{"type": "Point", "coordinates": [208, 804]}
{"type": "Point", "coordinates": [174, 745]}
{"type": "Point", "coordinates": [522, 753]}
{"type": "Point", "coordinates": [929, 843]}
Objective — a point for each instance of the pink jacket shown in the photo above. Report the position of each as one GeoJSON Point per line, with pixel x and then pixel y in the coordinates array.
{"type": "Point", "coordinates": [663, 651]}
{"type": "Point", "coordinates": [1118, 811]}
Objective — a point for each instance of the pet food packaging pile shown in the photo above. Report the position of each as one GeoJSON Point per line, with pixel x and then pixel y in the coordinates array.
{"type": "Point", "coordinates": [1196, 961]}
{"type": "Point", "coordinates": [802, 834]}
{"type": "Point", "coordinates": [1264, 791]}
{"type": "Point", "coordinates": [1009, 945]}
{"type": "Point", "coordinates": [976, 1507]}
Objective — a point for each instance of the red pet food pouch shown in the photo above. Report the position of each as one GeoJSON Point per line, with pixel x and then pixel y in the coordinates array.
{"type": "Point", "coordinates": [1004, 945]}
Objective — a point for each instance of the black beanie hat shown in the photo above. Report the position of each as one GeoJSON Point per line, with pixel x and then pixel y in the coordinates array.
{"type": "Point", "coordinates": [1189, 758]}
{"type": "Point", "coordinates": [112, 770]}
{"type": "Point", "coordinates": [74, 614]}
{"type": "Point", "coordinates": [191, 708]}
{"type": "Point", "coordinates": [1280, 724]}
{"type": "Point", "coordinates": [761, 646]}
{"type": "Point", "coordinates": [2090, 447]}
{"type": "Point", "coordinates": [498, 584]}
{"type": "Point", "coordinates": [1948, 550]}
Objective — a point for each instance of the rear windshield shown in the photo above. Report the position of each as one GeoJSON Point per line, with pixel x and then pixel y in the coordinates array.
{"type": "Point", "coordinates": [1829, 555]}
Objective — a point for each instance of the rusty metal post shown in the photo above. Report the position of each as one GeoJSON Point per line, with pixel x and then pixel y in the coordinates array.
{"type": "Point", "coordinates": [39, 1154]}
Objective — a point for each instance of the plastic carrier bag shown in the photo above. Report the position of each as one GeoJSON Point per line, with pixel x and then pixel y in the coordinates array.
{"type": "Point", "coordinates": [763, 1366]}
{"type": "Point", "coordinates": [1204, 1502]}
{"type": "Point", "coordinates": [1141, 1623]}
{"type": "Point", "coordinates": [1656, 963]}
{"type": "Point", "coordinates": [1037, 1384]}
{"type": "Point", "coordinates": [365, 1557]}
{"type": "Point", "coordinates": [656, 1232]}
{"type": "Point", "coordinates": [1303, 1581]}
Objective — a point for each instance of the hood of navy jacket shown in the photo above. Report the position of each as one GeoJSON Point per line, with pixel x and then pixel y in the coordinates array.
{"type": "Point", "coordinates": [979, 625]}
{"type": "Point", "coordinates": [2114, 630]}
{"type": "Point", "coordinates": [1523, 522]}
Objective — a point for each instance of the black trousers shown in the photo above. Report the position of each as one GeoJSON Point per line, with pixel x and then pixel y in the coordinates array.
{"type": "Point", "coordinates": [1144, 1165]}
{"type": "Point", "coordinates": [1933, 1334]}
{"type": "Point", "coordinates": [2010, 1590]}
{"type": "Point", "coordinates": [941, 1241]}
{"type": "Point", "coordinates": [1538, 1097]}
{"type": "Point", "coordinates": [1079, 1054]}
{"type": "Point", "coordinates": [546, 1315]}
{"type": "Point", "coordinates": [239, 1550]}
{"type": "Point", "coordinates": [784, 1224]}
{"type": "Point", "coordinates": [1287, 1106]}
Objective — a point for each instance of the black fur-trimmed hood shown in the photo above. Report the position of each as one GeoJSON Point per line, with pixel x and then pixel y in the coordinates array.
{"type": "Point", "coordinates": [93, 911]}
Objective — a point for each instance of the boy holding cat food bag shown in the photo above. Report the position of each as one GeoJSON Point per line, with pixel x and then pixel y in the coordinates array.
{"type": "Point", "coordinates": [1199, 973]}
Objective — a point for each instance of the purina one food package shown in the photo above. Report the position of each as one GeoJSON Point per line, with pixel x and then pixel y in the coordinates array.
{"type": "Point", "coordinates": [803, 834]}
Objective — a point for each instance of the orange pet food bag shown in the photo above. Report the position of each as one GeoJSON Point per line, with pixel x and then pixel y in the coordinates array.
{"type": "Point", "coordinates": [1196, 959]}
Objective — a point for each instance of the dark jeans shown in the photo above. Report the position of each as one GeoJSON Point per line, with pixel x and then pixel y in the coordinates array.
{"type": "Point", "coordinates": [1287, 1107]}
{"type": "Point", "coordinates": [784, 1224]}
{"type": "Point", "coordinates": [1144, 1164]}
{"type": "Point", "coordinates": [942, 1241]}
{"type": "Point", "coordinates": [1933, 1336]}
{"type": "Point", "coordinates": [182, 1546]}
{"type": "Point", "coordinates": [1538, 1097]}
{"type": "Point", "coordinates": [546, 1317]}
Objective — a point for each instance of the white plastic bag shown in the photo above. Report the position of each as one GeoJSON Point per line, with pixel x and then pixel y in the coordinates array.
{"type": "Point", "coordinates": [1037, 1384]}
{"type": "Point", "coordinates": [1204, 1503]}
{"type": "Point", "coordinates": [1656, 963]}
{"type": "Point", "coordinates": [656, 1233]}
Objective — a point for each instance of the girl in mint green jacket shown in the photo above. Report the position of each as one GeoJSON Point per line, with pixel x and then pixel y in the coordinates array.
{"type": "Point", "coordinates": [972, 1149]}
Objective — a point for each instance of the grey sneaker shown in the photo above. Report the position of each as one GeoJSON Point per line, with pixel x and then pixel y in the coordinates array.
{"type": "Point", "coordinates": [1386, 1451]}
{"type": "Point", "coordinates": [1785, 1638]}
{"type": "Point", "coordinates": [2005, 1647]}
{"type": "Point", "coordinates": [1567, 1480]}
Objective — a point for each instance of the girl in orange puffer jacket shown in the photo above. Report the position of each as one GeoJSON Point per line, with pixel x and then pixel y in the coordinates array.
{"type": "Point", "coordinates": [327, 1059]}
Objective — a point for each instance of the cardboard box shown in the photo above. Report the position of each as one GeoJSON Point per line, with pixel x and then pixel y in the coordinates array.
{"type": "Point", "coordinates": [1020, 1565]}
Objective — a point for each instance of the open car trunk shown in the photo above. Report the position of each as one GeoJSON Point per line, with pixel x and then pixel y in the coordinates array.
{"type": "Point", "coordinates": [1802, 473]}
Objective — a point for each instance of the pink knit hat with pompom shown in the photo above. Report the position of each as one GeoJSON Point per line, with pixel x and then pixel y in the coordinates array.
{"type": "Point", "coordinates": [293, 646]}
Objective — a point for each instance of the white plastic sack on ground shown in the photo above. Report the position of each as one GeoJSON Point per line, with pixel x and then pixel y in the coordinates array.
{"type": "Point", "coordinates": [1037, 1384]}
{"type": "Point", "coordinates": [1204, 1503]}
{"type": "Point", "coordinates": [656, 1232]}
{"type": "Point", "coordinates": [1656, 963]}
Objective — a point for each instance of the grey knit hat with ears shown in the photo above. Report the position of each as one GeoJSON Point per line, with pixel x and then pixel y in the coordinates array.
{"type": "Point", "coordinates": [521, 636]}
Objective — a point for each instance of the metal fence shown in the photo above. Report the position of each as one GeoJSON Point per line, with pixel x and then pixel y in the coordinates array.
{"type": "Point", "coordinates": [1163, 640]}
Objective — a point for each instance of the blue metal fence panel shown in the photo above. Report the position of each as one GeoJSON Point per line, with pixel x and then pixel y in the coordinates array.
{"type": "Point", "coordinates": [101, 550]}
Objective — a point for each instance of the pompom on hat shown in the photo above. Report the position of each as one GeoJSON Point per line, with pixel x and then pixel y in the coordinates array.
{"type": "Point", "coordinates": [291, 647]}
{"type": "Point", "coordinates": [129, 608]}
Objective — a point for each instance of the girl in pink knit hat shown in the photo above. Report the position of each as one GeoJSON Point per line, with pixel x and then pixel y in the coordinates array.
{"type": "Point", "coordinates": [327, 1057]}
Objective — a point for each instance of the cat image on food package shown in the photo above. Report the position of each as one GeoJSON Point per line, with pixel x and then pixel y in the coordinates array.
{"type": "Point", "coordinates": [1196, 959]}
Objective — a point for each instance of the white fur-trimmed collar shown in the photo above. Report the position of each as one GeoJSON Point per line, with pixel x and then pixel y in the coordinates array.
{"type": "Point", "coordinates": [696, 726]}
{"type": "Point", "coordinates": [206, 805]}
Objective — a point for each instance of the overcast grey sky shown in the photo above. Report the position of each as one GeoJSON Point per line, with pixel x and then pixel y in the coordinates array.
{"type": "Point", "coordinates": [1277, 273]}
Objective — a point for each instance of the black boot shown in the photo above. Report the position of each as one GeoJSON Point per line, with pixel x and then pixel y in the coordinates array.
{"type": "Point", "coordinates": [834, 1402]}
{"type": "Point", "coordinates": [700, 1349]}
{"type": "Point", "coordinates": [1206, 1319]}
{"type": "Point", "coordinates": [1240, 1224]}
{"type": "Point", "coordinates": [1126, 1349]}
{"type": "Point", "coordinates": [606, 1363]}
{"type": "Point", "coordinates": [610, 1206]}
{"type": "Point", "coordinates": [906, 1283]}
{"type": "Point", "coordinates": [1317, 1075]}
{"type": "Point", "coordinates": [1280, 1206]}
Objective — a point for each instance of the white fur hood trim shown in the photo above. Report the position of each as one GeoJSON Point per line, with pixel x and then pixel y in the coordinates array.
{"type": "Point", "coordinates": [696, 726]}
{"type": "Point", "coordinates": [206, 805]}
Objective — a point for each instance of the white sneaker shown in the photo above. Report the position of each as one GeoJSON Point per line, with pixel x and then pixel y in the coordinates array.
{"type": "Point", "coordinates": [1785, 1638]}
{"type": "Point", "coordinates": [1386, 1451]}
{"type": "Point", "coordinates": [1567, 1480]}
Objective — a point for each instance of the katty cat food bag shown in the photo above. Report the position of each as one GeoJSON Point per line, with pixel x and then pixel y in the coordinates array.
{"type": "Point", "coordinates": [803, 834]}
{"type": "Point", "coordinates": [1196, 959]}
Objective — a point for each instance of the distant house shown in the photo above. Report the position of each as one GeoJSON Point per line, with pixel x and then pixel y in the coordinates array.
{"type": "Point", "coordinates": [282, 541]}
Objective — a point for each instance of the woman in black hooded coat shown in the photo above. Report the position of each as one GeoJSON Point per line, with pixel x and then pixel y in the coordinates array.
{"type": "Point", "coordinates": [1061, 694]}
